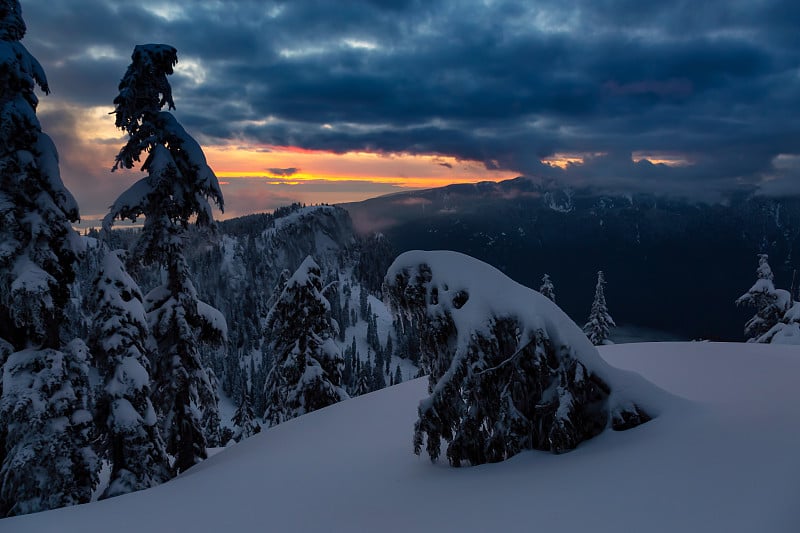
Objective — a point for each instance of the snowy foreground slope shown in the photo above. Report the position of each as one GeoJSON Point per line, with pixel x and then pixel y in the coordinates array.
{"type": "Point", "coordinates": [725, 461]}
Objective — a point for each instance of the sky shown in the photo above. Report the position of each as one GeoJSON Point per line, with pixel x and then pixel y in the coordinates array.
{"type": "Point", "coordinates": [333, 101]}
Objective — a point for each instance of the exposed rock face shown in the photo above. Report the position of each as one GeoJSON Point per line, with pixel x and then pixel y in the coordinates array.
{"type": "Point", "coordinates": [508, 370]}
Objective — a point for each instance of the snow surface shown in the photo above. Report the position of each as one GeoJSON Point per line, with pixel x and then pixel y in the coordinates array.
{"type": "Point", "coordinates": [724, 461]}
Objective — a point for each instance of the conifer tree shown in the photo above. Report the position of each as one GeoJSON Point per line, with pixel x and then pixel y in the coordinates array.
{"type": "Point", "coordinates": [363, 305]}
{"type": "Point", "coordinates": [398, 375]}
{"type": "Point", "coordinates": [378, 377]}
{"type": "Point", "coordinates": [547, 288]}
{"type": "Point", "coordinates": [364, 383]}
{"type": "Point", "coordinates": [177, 188]}
{"type": "Point", "coordinates": [787, 331]}
{"type": "Point", "coordinates": [770, 303]}
{"type": "Point", "coordinates": [307, 374]}
{"type": "Point", "coordinates": [46, 410]}
{"type": "Point", "coordinates": [245, 419]}
{"type": "Point", "coordinates": [600, 322]}
{"type": "Point", "coordinates": [120, 342]}
{"type": "Point", "coordinates": [45, 398]}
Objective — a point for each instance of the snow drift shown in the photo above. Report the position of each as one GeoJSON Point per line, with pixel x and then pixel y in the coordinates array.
{"type": "Point", "coordinates": [508, 370]}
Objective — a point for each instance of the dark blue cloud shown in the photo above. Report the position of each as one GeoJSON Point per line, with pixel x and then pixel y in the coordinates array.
{"type": "Point", "coordinates": [503, 82]}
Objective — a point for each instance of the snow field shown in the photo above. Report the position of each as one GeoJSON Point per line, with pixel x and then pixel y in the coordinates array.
{"type": "Point", "coordinates": [723, 461]}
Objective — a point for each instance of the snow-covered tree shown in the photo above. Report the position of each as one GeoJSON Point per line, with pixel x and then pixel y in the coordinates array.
{"type": "Point", "coordinates": [245, 419]}
{"type": "Point", "coordinates": [508, 369]}
{"type": "Point", "coordinates": [547, 290]}
{"type": "Point", "coordinates": [770, 303]}
{"type": "Point", "coordinates": [787, 331]}
{"type": "Point", "coordinates": [45, 401]}
{"type": "Point", "coordinates": [38, 246]}
{"type": "Point", "coordinates": [120, 342]}
{"type": "Point", "coordinates": [398, 375]}
{"type": "Point", "coordinates": [46, 410]}
{"type": "Point", "coordinates": [600, 322]}
{"type": "Point", "coordinates": [307, 373]}
{"type": "Point", "coordinates": [177, 189]}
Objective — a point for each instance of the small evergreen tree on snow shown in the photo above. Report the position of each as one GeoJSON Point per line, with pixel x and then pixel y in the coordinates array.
{"type": "Point", "coordinates": [398, 375]}
{"type": "Point", "coordinates": [600, 322]}
{"type": "Point", "coordinates": [120, 342]}
{"type": "Point", "coordinates": [45, 399]}
{"type": "Point", "coordinates": [378, 377]}
{"type": "Point", "coordinates": [245, 419]}
{"type": "Point", "coordinates": [307, 374]}
{"type": "Point", "coordinates": [177, 188]}
{"type": "Point", "coordinates": [770, 303]}
{"type": "Point", "coordinates": [547, 288]}
{"type": "Point", "coordinates": [364, 381]}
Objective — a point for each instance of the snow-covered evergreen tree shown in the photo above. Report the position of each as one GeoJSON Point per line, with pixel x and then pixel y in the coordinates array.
{"type": "Point", "coordinates": [398, 375]}
{"type": "Point", "coordinates": [600, 322]}
{"type": "Point", "coordinates": [787, 331]}
{"type": "Point", "coordinates": [307, 373]}
{"type": "Point", "coordinates": [770, 303]}
{"type": "Point", "coordinates": [547, 290]}
{"type": "Point", "coordinates": [245, 419]}
{"type": "Point", "coordinates": [38, 246]}
{"type": "Point", "coordinates": [177, 188]}
{"type": "Point", "coordinates": [45, 401]}
{"type": "Point", "coordinates": [46, 410]}
{"type": "Point", "coordinates": [120, 342]}
{"type": "Point", "coordinates": [508, 369]}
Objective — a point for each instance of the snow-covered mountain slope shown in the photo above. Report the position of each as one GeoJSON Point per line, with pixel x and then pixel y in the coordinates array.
{"type": "Point", "coordinates": [724, 461]}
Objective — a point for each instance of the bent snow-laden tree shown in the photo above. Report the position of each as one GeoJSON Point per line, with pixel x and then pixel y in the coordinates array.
{"type": "Point", "coordinates": [600, 322]}
{"type": "Point", "coordinates": [509, 370]}
{"type": "Point", "coordinates": [177, 188]}
{"type": "Point", "coordinates": [770, 303]}
{"type": "Point", "coordinates": [45, 402]}
{"type": "Point", "coordinates": [119, 341]}
{"type": "Point", "coordinates": [307, 370]}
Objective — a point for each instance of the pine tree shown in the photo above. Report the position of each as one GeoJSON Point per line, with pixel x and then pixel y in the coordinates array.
{"type": "Point", "coordinates": [378, 377]}
{"type": "Point", "coordinates": [499, 382]}
{"type": "Point", "coordinates": [177, 188]}
{"type": "Point", "coordinates": [363, 305]}
{"type": "Point", "coordinates": [547, 288]}
{"type": "Point", "coordinates": [38, 247]}
{"type": "Point", "coordinates": [398, 375]}
{"type": "Point", "coordinates": [120, 343]}
{"type": "Point", "coordinates": [389, 346]}
{"type": "Point", "coordinates": [307, 374]}
{"type": "Point", "coordinates": [364, 383]}
{"type": "Point", "coordinates": [245, 419]}
{"type": "Point", "coordinates": [770, 303]}
{"type": "Point", "coordinates": [600, 322]}
{"type": "Point", "coordinates": [787, 331]}
{"type": "Point", "coordinates": [46, 410]}
{"type": "Point", "coordinates": [45, 401]}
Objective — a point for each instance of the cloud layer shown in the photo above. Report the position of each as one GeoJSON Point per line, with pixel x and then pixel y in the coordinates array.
{"type": "Point", "coordinates": [714, 85]}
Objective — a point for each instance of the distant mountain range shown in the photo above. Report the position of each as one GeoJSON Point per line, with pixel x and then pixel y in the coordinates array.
{"type": "Point", "coordinates": [672, 265]}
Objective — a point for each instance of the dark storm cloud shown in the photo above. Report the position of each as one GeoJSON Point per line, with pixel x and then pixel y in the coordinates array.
{"type": "Point", "coordinates": [291, 171]}
{"type": "Point", "coordinates": [506, 83]}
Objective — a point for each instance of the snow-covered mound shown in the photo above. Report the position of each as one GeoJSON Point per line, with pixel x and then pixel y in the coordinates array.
{"type": "Point", "coordinates": [726, 460]}
{"type": "Point", "coordinates": [508, 370]}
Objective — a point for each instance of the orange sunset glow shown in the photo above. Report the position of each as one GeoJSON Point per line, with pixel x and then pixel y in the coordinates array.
{"type": "Point", "coordinates": [402, 170]}
{"type": "Point", "coordinates": [257, 177]}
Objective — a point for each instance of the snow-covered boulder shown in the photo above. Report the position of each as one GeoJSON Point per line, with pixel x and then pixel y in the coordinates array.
{"type": "Point", "coordinates": [508, 370]}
